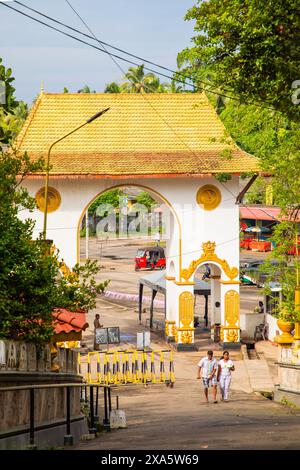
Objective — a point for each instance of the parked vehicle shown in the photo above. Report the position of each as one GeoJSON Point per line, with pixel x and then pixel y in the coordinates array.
{"type": "Point", "coordinates": [152, 257]}
{"type": "Point", "coordinates": [252, 273]}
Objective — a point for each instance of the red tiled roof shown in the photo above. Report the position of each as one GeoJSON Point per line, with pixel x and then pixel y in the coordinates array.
{"type": "Point", "coordinates": [67, 321]}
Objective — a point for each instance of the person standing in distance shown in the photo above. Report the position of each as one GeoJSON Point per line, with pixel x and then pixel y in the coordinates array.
{"type": "Point", "coordinates": [226, 366]}
{"type": "Point", "coordinates": [207, 369]}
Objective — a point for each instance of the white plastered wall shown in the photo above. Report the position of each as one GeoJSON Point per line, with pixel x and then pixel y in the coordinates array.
{"type": "Point", "coordinates": [195, 226]}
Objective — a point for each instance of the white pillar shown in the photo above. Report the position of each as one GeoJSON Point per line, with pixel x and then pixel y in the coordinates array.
{"type": "Point", "coordinates": [230, 311]}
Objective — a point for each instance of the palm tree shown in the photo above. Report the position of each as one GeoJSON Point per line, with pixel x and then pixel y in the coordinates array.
{"type": "Point", "coordinates": [139, 82]}
{"type": "Point", "coordinates": [136, 81]}
{"type": "Point", "coordinates": [172, 87]}
{"type": "Point", "coordinates": [113, 87]}
{"type": "Point", "coordinates": [86, 89]}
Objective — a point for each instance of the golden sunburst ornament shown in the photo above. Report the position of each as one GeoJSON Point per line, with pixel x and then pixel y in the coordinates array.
{"type": "Point", "coordinates": [54, 199]}
{"type": "Point", "coordinates": [208, 197]}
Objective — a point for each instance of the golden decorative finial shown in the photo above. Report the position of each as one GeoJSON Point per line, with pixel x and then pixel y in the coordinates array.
{"type": "Point", "coordinates": [42, 87]}
{"type": "Point", "coordinates": [209, 248]}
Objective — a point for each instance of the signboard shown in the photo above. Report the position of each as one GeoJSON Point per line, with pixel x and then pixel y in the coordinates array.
{"type": "Point", "coordinates": [143, 340]}
{"type": "Point", "coordinates": [110, 335]}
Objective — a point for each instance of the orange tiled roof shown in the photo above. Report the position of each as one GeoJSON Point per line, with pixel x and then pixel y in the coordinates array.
{"type": "Point", "coordinates": [67, 321]}
{"type": "Point", "coordinates": [156, 134]}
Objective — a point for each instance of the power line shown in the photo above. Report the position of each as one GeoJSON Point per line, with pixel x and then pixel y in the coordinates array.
{"type": "Point", "coordinates": [90, 30]}
{"type": "Point", "coordinates": [113, 56]}
{"type": "Point", "coordinates": [89, 44]}
{"type": "Point", "coordinates": [126, 60]}
{"type": "Point", "coordinates": [109, 45]}
{"type": "Point", "coordinates": [142, 94]}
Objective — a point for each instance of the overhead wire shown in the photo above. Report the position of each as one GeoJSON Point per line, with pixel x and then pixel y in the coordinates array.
{"type": "Point", "coordinates": [113, 57]}
{"type": "Point", "coordinates": [236, 98]}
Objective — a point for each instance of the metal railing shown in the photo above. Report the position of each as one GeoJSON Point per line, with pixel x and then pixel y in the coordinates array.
{"type": "Point", "coordinates": [89, 394]}
{"type": "Point", "coordinates": [127, 367]}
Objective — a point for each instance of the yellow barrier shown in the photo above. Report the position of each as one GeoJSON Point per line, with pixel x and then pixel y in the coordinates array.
{"type": "Point", "coordinates": [127, 366]}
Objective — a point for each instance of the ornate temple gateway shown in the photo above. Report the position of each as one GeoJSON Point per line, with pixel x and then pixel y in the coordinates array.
{"type": "Point", "coordinates": [173, 146]}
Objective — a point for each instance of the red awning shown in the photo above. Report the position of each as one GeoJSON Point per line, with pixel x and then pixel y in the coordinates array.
{"type": "Point", "coordinates": [263, 213]}
{"type": "Point", "coordinates": [260, 213]}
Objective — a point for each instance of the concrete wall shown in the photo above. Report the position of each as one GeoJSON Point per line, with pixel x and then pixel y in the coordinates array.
{"type": "Point", "coordinates": [248, 322]}
{"type": "Point", "coordinates": [22, 364]}
{"type": "Point", "coordinates": [289, 380]}
{"type": "Point", "coordinates": [273, 328]}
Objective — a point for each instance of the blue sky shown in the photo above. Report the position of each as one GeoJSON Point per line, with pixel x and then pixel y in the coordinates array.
{"type": "Point", "coordinates": [152, 29]}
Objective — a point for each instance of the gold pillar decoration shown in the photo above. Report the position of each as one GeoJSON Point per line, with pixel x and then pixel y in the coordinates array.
{"type": "Point", "coordinates": [54, 199]}
{"type": "Point", "coordinates": [207, 256]}
{"type": "Point", "coordinates": [175, 333]}
{"type": "Point", "coordinates": [186, 309]}
{"type": "Point", "coordinates": [169, 327]}
{"type": "Point", "coordinates": [208, 197]}
{"type": "Point", "coordinates": [186, 337]}
{"type": "Point", "coordinates": [186, 317]}
{"type": "Point", "coordinates": [269, 194]}
{"type": "Point", "coordinates": [232, 316]}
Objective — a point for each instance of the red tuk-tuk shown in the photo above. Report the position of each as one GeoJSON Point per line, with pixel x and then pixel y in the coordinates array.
{"type": "Point", "coordinates": [152, 257]}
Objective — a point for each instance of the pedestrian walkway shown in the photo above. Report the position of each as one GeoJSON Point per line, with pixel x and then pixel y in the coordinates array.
{"type": "Point", "coordinates": [160, 417]}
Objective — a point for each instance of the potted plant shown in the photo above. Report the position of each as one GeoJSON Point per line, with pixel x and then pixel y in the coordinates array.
{"type": "Point", "coordinates": [286, 322]}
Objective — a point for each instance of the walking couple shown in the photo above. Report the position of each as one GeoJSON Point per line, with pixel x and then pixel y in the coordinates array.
{"type": "Point", "coordinates": [214, 372]}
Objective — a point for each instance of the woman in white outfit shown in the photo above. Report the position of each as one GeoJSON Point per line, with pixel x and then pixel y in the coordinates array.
{"type": "Point", "coordinates": [226, 366]}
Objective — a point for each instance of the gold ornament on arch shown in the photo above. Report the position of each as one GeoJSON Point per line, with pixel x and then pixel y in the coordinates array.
{"type": "Point", "coordinates": [209, 254]}
{"type": "Point", "coordinates": [54, 199]}
{"type": "Point", "coordinates": [208, 197]}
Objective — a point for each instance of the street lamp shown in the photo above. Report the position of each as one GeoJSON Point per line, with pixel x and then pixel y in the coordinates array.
{"type": "Point", "coordinates": [91, 119]}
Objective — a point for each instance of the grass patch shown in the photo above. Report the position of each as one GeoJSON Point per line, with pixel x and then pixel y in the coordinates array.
{"type": "Point", "coordinates": [286, 402]}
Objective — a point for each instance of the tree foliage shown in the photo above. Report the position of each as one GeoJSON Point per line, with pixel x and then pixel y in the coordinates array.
{"type": "Point", "coordinates": [135, 80]}
{"type": "Point", "coordinates": [12, 112]}
{"type": "Point", "coordinates": [31, 283]}
{"type": "Point", "coordinates": [250, 47]}
{"type": "Point", "coordinates": [285, 269]}
{"type": "Point", "coordinates": [275, 140]}
{"type": "Point", "coordinates": [145, 199]}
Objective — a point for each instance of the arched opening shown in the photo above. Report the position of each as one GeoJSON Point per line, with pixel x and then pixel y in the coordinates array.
{"type": "Point", "coordinates": [141, 225]}
{"type": "Point", "coordinates": [208, 299]}
{"type": "Point", "coordinates": [171, 269]}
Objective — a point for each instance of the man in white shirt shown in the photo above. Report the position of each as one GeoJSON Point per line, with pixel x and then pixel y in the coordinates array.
{"type": "Point", "coordinates": [207, 369]}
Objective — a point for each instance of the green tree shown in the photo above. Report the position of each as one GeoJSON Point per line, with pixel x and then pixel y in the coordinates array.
{"type": "Point", "coordinates": [285, 269]}
{"type": "Point", "coordinates": [31, 283]}
{"type": "Point", "coordinates": [136, 80]}
{"type": "Point", "coordinates": [274, 139]}
{"type": "Point", "coordinates": [113, 87]}
{"type": "Point", "coordinates": [251, 47]}
{"type": "Point", "coordinates": [145, 199]}
{"type": "Point", "coordinates": [27, 274]}
{"type": "Point", "coordinates": [12, 112]}
{"type": "Point", "coordinates": [86, 89]}
{"type": "Point", "coordinates": [111, 197]}
{"type": "Point", "coordinates": [8, 101]}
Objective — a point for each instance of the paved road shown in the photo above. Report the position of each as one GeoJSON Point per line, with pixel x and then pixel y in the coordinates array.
{"type": "Point", "coordinates": [102, 249]}
{"type": "Point", "coordinates": [163, 418]}
{"type": "Point", "coordinates": [159, 417]}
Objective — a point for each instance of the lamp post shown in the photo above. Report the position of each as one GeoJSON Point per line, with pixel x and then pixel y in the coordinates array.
{"type": "Point", "coordinates": [91, 119]}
